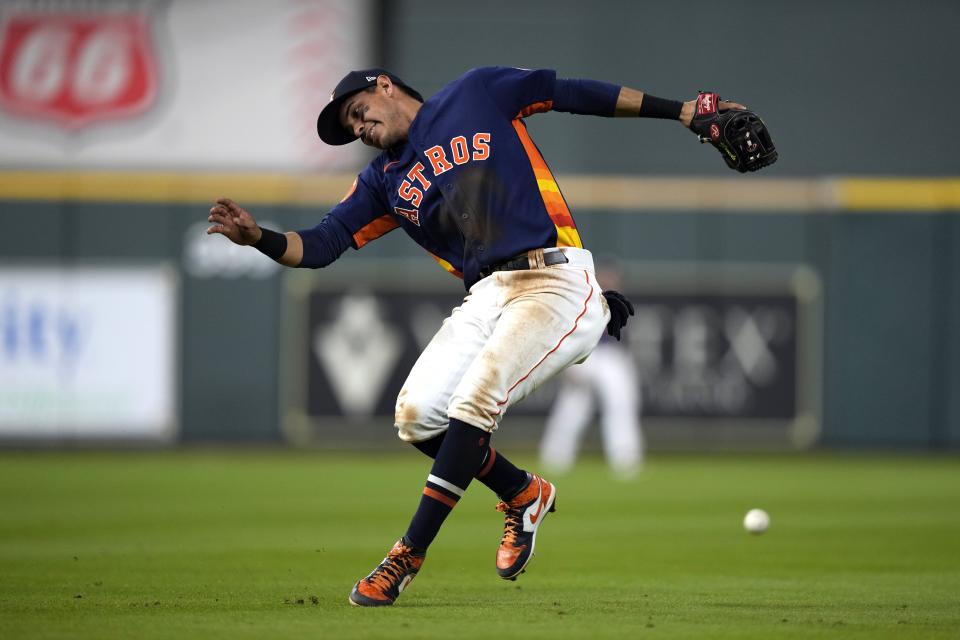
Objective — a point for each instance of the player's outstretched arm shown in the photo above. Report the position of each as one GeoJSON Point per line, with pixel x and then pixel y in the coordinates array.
{"type": "Point", "coordinates": [630, 104]}
{"type": "Point", "coordinates": [737, 133]}
{"type": "Point", "coordinates": [233, 221]}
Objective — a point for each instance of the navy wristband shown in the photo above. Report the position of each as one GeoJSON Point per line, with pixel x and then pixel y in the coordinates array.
{"type": "Point", "coordinates": [271, 244]}
{"type": "Point", "coordinates": [654, 107]}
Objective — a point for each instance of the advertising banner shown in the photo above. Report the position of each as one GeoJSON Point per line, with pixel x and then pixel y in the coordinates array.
{"type": "Point", "coordinates": [712, 362]}
{"type": "Point", "coordinates": [87, 352]}
{"type": "Point", "coordinates": [175, 84]}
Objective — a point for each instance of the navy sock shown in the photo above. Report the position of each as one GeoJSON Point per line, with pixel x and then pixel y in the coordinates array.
{"type": "Point", "coordinates": [497, 472]}
{"type": "Point", "coordinates": [459, 458]}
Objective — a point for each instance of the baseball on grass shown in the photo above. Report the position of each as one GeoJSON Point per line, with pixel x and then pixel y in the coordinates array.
{"type": "Point", "coordinates": [756, 521]}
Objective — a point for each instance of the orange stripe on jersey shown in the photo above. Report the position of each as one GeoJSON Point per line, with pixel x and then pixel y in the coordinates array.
{"type": "Point", "coordinates": [373, 230]}
{"type": "Point", "coordinates": [567, 234]}
{"type": "Point", "coordinates": [439, 497]}
{"type": "Point", "coordinates": [446, 265]}
{"type": "Point", "coordinates": [568, 237]}
{"type": "Point", "coordinates": [554, 200]}
{"type": "Point", "coordinates": [536, 107]}
{"type": "Point", "coordinates": [350, 191]}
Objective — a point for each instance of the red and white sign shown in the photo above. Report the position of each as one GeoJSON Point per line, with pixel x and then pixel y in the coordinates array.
{"type": "Point", "coordinates": [152, 80]}
{"type": "Point", "coordinates": [76, 68]}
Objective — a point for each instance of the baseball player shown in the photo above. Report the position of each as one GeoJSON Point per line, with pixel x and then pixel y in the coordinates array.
{"type": "Point", "coordinates": [461, 176]}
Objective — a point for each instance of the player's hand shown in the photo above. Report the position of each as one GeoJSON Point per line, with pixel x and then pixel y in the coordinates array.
{"type": "Point", "coordinates": [234, 222]}
{"type": "Point", "coordinates": [620, 310]}
{"type": "Point", "coordinates": [690, 109]}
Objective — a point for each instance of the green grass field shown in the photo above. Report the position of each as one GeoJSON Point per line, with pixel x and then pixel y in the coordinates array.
{"type": "Point", "coordinates": [240, 544]}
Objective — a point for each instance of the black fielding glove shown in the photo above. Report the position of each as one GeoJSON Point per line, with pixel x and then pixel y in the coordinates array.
{"type": "Point", "coordinates": [620, 311]}
{"type": "Point", "coordinates": [739, 135]}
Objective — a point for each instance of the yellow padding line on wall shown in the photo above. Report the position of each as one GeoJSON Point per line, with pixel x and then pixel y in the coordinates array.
{"type": "Point", "coordinates": [610, 193]}
{"type": "Point", "coordinates": [939, 194]}
{"type": "Point", "coordinates": [175, 188]}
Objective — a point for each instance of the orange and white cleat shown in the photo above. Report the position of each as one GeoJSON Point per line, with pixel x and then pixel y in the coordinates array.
{"type": "Point", "coordinates": [524, 514]}
{"type": "Point", "coordinates": [385, 583]}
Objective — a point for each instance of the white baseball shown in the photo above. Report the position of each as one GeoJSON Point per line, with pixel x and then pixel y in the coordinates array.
{"type": "Point", "coordinates": [756, 521]}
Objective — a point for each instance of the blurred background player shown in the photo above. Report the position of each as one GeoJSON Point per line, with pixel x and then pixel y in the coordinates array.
{"type": "Point", "coordinates": [607, 384]}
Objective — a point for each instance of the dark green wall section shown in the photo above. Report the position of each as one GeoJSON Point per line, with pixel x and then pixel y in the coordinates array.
{"type": "Point", "coordinates": [839, 83]}
{"type": "Point", "coordinates": [949, 249]}
{"type": "Point", "coordinates": [882, 311]}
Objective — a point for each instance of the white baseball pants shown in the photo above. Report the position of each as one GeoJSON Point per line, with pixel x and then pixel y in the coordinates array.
{"type": "Point", "coordinates": [514, 330]}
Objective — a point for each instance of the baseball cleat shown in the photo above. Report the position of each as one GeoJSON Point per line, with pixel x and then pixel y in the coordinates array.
{"type": "Point", "coordinates": [524, 514]}
{"type": "Point", "coordinates": [384, 584]}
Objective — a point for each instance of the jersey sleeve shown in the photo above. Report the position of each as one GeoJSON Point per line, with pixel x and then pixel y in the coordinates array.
{"type": "Point", "coordinates": [361, 217]}
{"type": "Point", "coordinates": [587, 97]}
{"type": "Point", "coordinates": [523, 92]}
{"type": "Point", "coordinates": [518, 92]}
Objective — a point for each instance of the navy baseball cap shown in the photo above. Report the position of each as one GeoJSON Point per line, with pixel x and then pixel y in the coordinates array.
{"type": "Point", "coordinates": [329, 127]}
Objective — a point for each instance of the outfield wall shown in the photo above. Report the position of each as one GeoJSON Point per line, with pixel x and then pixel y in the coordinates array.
{"type": "Point", "coordinates": [831, 305]}
{"type": "Point", "coordinates": [886, 361]}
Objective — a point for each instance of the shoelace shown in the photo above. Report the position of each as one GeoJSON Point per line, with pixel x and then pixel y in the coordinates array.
{"type": "Point", "coordinates": [511, 524]}
{"type": "Point", "coordinates": [388, 573]}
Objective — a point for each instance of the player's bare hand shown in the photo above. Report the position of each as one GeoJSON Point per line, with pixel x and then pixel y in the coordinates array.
{"type": "Point", "coordinates": [233, 221]}
{"type": "Point", "coordinates": [690, 108]}
{"type": "Point", "coordinates": [728, 104]}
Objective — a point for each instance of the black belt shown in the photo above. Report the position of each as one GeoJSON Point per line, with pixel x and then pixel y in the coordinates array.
{"type": "Point", "coordinates": [522, 262]}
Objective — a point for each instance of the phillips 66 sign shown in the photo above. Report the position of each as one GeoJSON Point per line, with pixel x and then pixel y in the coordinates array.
{"type": "Point", "coordinates": [77, 66]}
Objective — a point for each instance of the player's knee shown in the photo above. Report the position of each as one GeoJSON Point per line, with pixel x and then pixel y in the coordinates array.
{"type": "Point", "coordinates": [479, 414]}
{"type": "Point", "coordinates": [408, 409]}
{"type": "Point", "coordinates": [417, 417]}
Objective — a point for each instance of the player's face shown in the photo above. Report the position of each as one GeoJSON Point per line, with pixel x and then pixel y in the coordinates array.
{"type": "Point", "coordinates": [374, 116]}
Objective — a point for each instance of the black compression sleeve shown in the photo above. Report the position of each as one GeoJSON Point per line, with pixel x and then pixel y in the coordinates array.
{"type": "Point", "coordinates": [654, 107]}
{"type": "Point", "coordinates": [271, 244]}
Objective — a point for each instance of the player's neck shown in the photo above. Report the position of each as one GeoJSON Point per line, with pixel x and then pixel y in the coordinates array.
{"type": "Point", "coordinates": [409, 110]}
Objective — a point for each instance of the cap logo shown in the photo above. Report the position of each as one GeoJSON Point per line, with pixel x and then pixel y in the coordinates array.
{"type": "Point", "coordinates": [371, 78]}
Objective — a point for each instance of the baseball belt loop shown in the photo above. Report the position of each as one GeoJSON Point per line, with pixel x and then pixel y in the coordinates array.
{"type": "Point", "coordinates": [536, 259]}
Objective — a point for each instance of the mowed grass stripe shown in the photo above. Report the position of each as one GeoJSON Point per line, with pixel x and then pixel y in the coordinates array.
{"type": "Point", "coordinates": [268, 544]}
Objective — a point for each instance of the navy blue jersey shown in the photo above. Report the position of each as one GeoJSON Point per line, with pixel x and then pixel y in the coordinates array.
{"type": "Point", "coordinates": [469, 185]}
